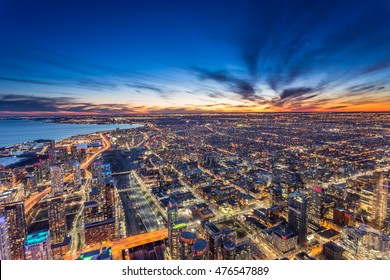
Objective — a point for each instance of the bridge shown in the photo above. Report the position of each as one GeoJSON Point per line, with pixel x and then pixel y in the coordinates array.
{"type": "Point", "coordinates": [121, 173]}
{"type": "Point", "coordinates": [117, 246]}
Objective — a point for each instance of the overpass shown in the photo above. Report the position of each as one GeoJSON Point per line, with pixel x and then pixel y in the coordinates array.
{"type": "Point", "coordinates": [117, 246]}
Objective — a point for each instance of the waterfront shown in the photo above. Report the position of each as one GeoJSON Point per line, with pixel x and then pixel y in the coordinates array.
{"type": "Point", "coordinates": [18, 131]}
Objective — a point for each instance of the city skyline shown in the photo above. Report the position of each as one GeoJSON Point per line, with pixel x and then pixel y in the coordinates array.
{"type": "Point", "coordinates": [198, 187]}
{"type": "Point", "coordinates": [126, 57]}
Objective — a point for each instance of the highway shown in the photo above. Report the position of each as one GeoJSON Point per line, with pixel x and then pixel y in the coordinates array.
{"type": "Point", "coordinates": [125, 243]}
{"type": "Point", "coordinates": [78, 225]}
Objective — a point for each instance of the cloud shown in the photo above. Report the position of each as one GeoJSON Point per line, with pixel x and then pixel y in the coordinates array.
{"type": "Point", "coordinates": [146, 86]}
{"type": "Point", "coordinates": [28, 81]}
{"type": "Point", "coordinates": [337, 107]}
{"type": "Point", "coordinates": [244, 88]}
{"type": "Point", "coordinates": [24, 103]}
{"type": "Point", "coordinates": [295, 92]}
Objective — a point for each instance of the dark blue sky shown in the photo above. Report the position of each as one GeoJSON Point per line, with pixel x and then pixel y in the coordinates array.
{"type": "Point", "coordinates": [194, 56]}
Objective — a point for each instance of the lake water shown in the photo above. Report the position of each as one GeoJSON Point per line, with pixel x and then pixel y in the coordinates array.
{"type": "Point", "coordinates": [18, 131]}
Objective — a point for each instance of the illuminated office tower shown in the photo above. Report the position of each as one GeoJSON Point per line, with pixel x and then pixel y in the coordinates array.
{"type": "Point", "coordinates": [76, 174]}
{"type": "Point", "coordinates": [200, 249]}
{"type": "Point", "coordinates": [16, 222]}
{"type": "Point", "coordinates": [214, 239]}
{"type": "Point", "coordinates": [316, 205]}
{"type": "Point", "coordinates": [172, 213]}
{"type": "Point", "coordinates": [228, 250]}
{"type": "Point", "coordinates": [187, 240]}
{"type": "Point", "coordinates": [174, 239]}
{"type": "Point", "coordinates": [175, 228]}
{"type": "Point", "coordinates": [5, 253]}
{"type": "Point", "coordinates": [172, 219]}
{"type": "Point", "coordinates": [57, 175]}
{"type": "Point", "coordinates": [37, 246]}
{"type": "Point", "coordinates": [97, 173]}
{"type": "Point", "coordinates": [297, 215]}
{"type": "Point", "coordinates": [57, 219]}
{"type": "Point", "coordinates": [109, 201]}
{"type": "Point", "coordinates": [381, 205]}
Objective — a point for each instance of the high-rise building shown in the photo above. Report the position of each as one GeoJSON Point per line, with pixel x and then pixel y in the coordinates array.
{"type": "Point", "coordinates": [364, 242]}
{"type": "Point", "coordinates": [172, 213]}
{"type": "Point", "coordinates": [16, 223]}
{"type": "Point", "coordinates": [316, 206]}
{"type": "Point", "coordinates": [97, 173]}
{"type": "Point", "coordinates": [214, 240]}
{"type": "Point", "coordinates": [175, 228]}
{"type": "Point", "coordinates": [172, 238]}
{"type": "Point", "coordinates": [228, 250]}
{"type": "Point", "coordinates": [30, 183]}
{"type": "Point", "coordinates": [57, 219]}
{"type": "Point", "coordinates": [200, 249]}
{"type": "Point", "coordinates": [343, 217]}
{"type": "Point", "coordinates": [57, 175]}
{"type": "Point", "coordinates": [101, 231]}
{"type": "Point", "coordinates": [52, 151]}
{"type": "Point", "coordinates": [297, 215]}
{"type": "Point", "coordinates": [187, 240]}
{"type": "Point", "coordinates": [76, 174]}
{"type": "Point", "coordinates": [37, 246]}
{"type": "Point", "coordinates": [109, 201]}
{"type": "Point", "coordinates": [5, 253]}
{"type": "Point", "coordinates": [332, 251]}
{"type": "Point", "coordinates": [277, 195]}
{"type": "Point", "coordinates": [381, 205]}
{"type": "Point", "coordinates": [366, 202]}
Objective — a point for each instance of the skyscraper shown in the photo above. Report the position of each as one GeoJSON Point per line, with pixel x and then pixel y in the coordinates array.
{"type": "Point", "coordinates": [57, 219]}
{"type": "Point", "coordinates": [76, 174]}
{"type": "Point", "coordinates": [200, 249]}
{"type": "Point", "coordinates": [174, 230]}
{"type": "Point", "coordinates": [16, 223]}
{"type": "Point", "coordinates": [228, 250]}
{"type": "Point", "coordinates": [277, 195]}
{"type": "Point", "coordinates": [37, 246]}
{"type": "Point", "coordinates": [297, 215]}
{"type": "Point", "coordinates": [316, 205]}
{"type": "Point", "coordinates": [381, 207]}
{"type": "Point", "coordinates": [52, 151]}
{"type": "Point", "coordinates": [187, 239]}
{"type": "Point", "coordinates": [109, 201]}
{"type": "Point", "coordinates": [5, 253]}
{"type": "Point", "coordinates": [57, 175]}
{"type": "Point", "coordinates": [172, 213]}
{"type": "Point", "coordinates": [214, 240]}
